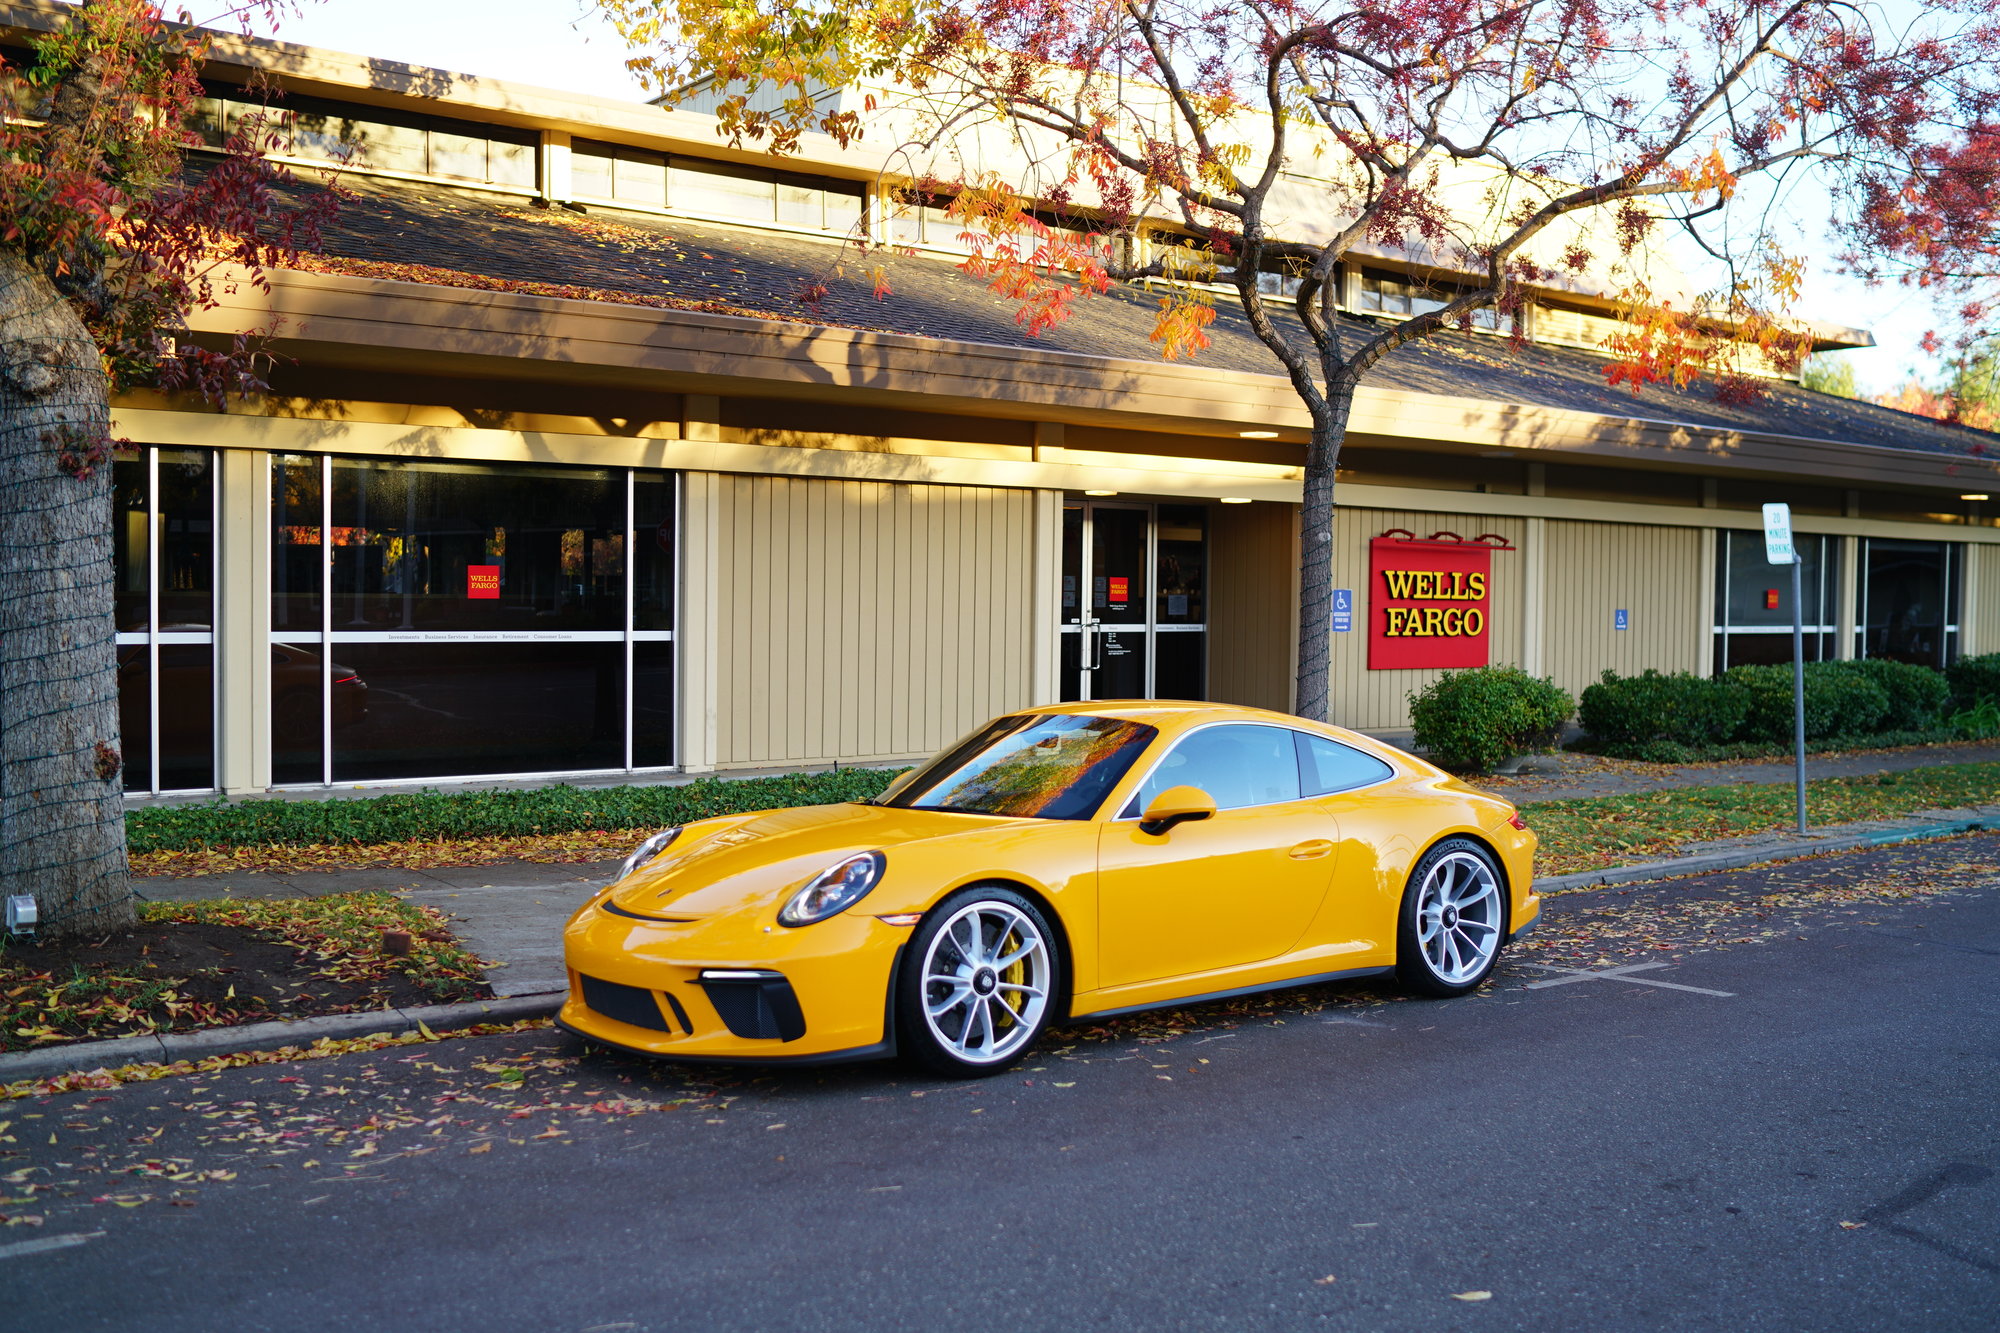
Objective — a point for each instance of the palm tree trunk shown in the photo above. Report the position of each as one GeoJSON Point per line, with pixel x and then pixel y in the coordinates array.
{"type": "Point", "coordinates": [62, 831]}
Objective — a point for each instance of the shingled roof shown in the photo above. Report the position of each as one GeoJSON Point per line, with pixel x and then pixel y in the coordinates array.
{"type": "Point", "coordinates": [434, 234]}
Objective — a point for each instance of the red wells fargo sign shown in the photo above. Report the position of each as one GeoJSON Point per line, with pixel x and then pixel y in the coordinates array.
{"type": "Point", "coordinates": [1428, 602]}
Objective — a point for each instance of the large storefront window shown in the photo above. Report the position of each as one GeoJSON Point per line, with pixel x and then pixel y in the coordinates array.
{"type": "Point", "coordinates": [1753, 600]}
{"type": "Point", "coordinates": [440, 619]}
{"type": "Point", "coordinates": [163, 542]}
{"type": "Point", "coordinates": [1909, 600]}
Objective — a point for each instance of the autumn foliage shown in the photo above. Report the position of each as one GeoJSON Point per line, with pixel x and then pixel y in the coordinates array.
{"type": "Point", "coordinates": [93, 190]}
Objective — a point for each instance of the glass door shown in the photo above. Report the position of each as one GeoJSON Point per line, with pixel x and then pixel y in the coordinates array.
{"type": "Point", "coordinates": [1133, 576]}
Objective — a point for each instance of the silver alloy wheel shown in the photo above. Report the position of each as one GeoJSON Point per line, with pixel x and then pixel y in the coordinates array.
{"type": "Point", "coordinates": [986, 982]}
{"type": "Point", "coordinates": [1458, 917]}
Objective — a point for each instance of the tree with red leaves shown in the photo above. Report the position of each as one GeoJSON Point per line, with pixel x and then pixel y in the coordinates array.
{"type": "Point", "coordinates": [1506, 145]}
{"type": "Point", "coordinates": [1930, 219]}
{"type": "Point", "coordinates": [108, 248]}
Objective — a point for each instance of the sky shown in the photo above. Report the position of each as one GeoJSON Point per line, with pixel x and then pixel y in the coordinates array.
{"type": "Point", "coordinates": [563, 44]}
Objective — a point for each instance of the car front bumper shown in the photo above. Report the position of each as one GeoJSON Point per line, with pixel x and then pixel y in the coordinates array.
{"type": "Point", "coordinates": [727, 990]}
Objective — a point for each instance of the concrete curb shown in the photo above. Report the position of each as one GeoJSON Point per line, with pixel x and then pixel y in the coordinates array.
{"type": "Point", "coordinates": [1751, 856]}
{"type": "Point", "coordinates": [167, 1048]}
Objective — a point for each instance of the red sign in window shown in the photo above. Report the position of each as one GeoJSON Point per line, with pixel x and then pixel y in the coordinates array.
{"type": "Point", "coordinates": [1121, 591]}
{"type": "Point", "coordinates": [482, 582]}
{"type": "Point", "coordinates": [1770, 599]}
{"type": "Point", "coordinates": [1428, 603]}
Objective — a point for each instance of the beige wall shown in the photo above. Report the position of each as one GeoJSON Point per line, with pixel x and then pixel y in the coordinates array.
{"type": "Point", "coordinates": [1594, 570]}
{"type": "Point", "coordinates": [1982, 600]}
{"type": "Point", "coordinates": [1253, 603]}
{"type": "Point", "coordinates": [1376, 700]}
{"type": "Point", "coordinates": [867, 621]}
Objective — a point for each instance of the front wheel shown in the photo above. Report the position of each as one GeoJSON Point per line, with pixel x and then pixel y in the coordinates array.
{"type": "Point", "coordinates": [978, 982]}
{"type": "Point", "coordinates": [1453, 921]}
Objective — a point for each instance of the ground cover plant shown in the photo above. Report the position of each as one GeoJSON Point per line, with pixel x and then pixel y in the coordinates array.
{"type": "Point", "coordinates": [190, 965]}
{"type": "Point", "coordinates": [1603, 831]}
{"type": "Point", "coordinates": [434, 828]}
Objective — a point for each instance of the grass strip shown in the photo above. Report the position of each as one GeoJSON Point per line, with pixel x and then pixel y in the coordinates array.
{"type": "Point", "coordinates": [1602, 831]}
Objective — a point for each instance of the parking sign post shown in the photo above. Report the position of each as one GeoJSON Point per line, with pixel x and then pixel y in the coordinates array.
{"type": "Point", "coordinates": [1780, 549]}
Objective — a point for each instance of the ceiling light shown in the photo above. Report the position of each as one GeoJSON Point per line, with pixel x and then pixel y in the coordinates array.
{"type": "Point", "coordinates": [1236, 499]}
{"type": "Point", "coordinates": [1976, 495]}
{"type": "Point", "coordinates": [1100, 493]}
{"type": "Point", "coordinates": [1258, 434]}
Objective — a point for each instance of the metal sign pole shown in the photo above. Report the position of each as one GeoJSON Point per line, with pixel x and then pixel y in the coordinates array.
{"type": "Point", "coordinates": [1799, 688]}
{"type": "Point", "coordinates": [1781, 549]}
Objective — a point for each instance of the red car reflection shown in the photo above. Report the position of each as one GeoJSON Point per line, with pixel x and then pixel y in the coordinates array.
{"type": "Point", "coordinates": [187, 694]}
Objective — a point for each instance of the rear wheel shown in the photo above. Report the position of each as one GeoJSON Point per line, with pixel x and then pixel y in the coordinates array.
{"type": "Point", "coordinates": [978, 982]}
{"type": "Point", "coordinates": [1454, 918]}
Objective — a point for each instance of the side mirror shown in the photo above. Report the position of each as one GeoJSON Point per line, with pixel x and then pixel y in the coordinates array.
{"type": "Point", "coordinates": [1176, 805]}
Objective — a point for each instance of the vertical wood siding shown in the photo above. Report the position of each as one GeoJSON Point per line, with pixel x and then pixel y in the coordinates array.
{"type": "Point", "coordinates": [866, 620]}
{"type": "Point", "coordinates": [1253, 579]}
{"type": "Point", "coordinates": [1983, 600]}
{"type": "Point", "coordinates": [1378, 700]}
{"type": "Point", "coordinates": [1594, 570]}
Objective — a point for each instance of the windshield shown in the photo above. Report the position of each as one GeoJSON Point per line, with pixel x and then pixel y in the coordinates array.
{"type": "Point", "coordinates": [1040, 765]}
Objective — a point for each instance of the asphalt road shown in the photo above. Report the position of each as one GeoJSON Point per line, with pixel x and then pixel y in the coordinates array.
{"type": "Point", "coordinates": [1800, 1130]}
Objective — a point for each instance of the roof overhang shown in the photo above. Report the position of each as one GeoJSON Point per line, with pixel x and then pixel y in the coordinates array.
{"type": "Point", "coordinates": [370, 324]}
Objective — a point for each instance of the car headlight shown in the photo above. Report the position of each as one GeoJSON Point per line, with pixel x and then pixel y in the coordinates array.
{"type": "Point", "coordinates": [833, 890]}
{"type": "Point", "coordinates": [648, 849]}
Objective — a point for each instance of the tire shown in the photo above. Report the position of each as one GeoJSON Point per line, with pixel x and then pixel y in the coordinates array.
{"type": "Point", "coordinates": [1453, 920]}
{"type": "Point", "coordinates": [978, 984]}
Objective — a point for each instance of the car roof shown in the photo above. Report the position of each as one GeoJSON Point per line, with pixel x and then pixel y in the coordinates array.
{"type": "Point", "coordinates": [1177, 714]}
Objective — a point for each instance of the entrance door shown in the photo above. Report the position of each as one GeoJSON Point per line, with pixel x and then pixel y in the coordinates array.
{"type": "Point", "coordinates": [1133, 601]}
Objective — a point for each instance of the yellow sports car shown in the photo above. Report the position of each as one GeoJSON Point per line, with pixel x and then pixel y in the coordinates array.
{"type": "Point", "coordinates": [1059, 864]}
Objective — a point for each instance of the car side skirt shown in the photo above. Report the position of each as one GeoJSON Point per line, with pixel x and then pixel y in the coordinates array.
{"type": "Point", "coordinates": [1258, 989]}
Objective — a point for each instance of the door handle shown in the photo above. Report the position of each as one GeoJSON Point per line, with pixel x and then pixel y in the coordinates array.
{"type": "Point", "coordinates": [1310, 850]}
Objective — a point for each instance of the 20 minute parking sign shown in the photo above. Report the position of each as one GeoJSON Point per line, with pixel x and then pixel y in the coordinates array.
{"type": "Point", "coordinates": [1778, 548]}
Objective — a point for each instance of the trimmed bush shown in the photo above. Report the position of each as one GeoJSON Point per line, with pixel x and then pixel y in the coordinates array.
{"type": "Point", "coordinates": [1471, 720]}
{"type": "Point", "coordinates": [1839, 702]}
{"type": "Point", "coordinates": [1973, 680]}
{"type": "Point", "coordinates": [484, 814]}
{"type": "Point", "coordinates": [1651, 713]}
{"type": "Point", "coordinates": [1919, 696]}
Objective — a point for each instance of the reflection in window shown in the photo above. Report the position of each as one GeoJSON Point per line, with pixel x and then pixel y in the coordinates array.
{"type": "Point", "coordinates": [1328, 766]}
{"type": "Point", "coordinates": [475, 546]}
{"type": "Point", "coordinates": [1388, 293]}
{"type": "Point", "coordinates": [1753, 600]}
{"type": "Point", "coordinates": [1056, 766]}
{"type": "Point", "coordinates": [375, 138]}
{"type": "Point", "coordinates": [1237, 765]}
{"type": "Point", "coordinates": [163, 551]}
{"type": "Point", "coordinates": [718, 189]}
{"type": "Point", "coordinates": [1909, 600]}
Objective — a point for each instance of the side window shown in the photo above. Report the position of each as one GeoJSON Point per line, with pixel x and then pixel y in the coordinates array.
{"type": "Point", "coordinates": [1237, 765]}
{"type": "Point", "coordinates": [1328, 766]}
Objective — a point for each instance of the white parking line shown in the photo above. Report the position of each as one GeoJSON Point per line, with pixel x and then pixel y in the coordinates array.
{"type": "Point", "coordinates": [1619, 974]}
{"type": "Point", "coordinates": [21, 1247]}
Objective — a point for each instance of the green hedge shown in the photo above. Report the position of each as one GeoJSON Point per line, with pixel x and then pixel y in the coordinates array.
{"type": "Point", "coordinates": [1974, 680]}
{"type": "Point", "coordinates": [1471, 720]}
{"type": "Point", "coordinates": [483, 814]}
{"type": "Point", "coordinates": [1680, 718]}
{"type": "Point", "coordinates": [1837, 702]}
{"type": "Point", "coordinates": [1635, 712]}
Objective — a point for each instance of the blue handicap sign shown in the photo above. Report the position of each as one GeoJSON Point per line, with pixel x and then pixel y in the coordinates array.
{"type": "Point", "coordinates": [1343, 610]}
{"type": "Point", "coordinates": [1623, 619]}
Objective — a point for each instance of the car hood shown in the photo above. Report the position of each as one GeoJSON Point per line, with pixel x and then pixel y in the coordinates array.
{"type": "Point", "coordinates": [764, 859]}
